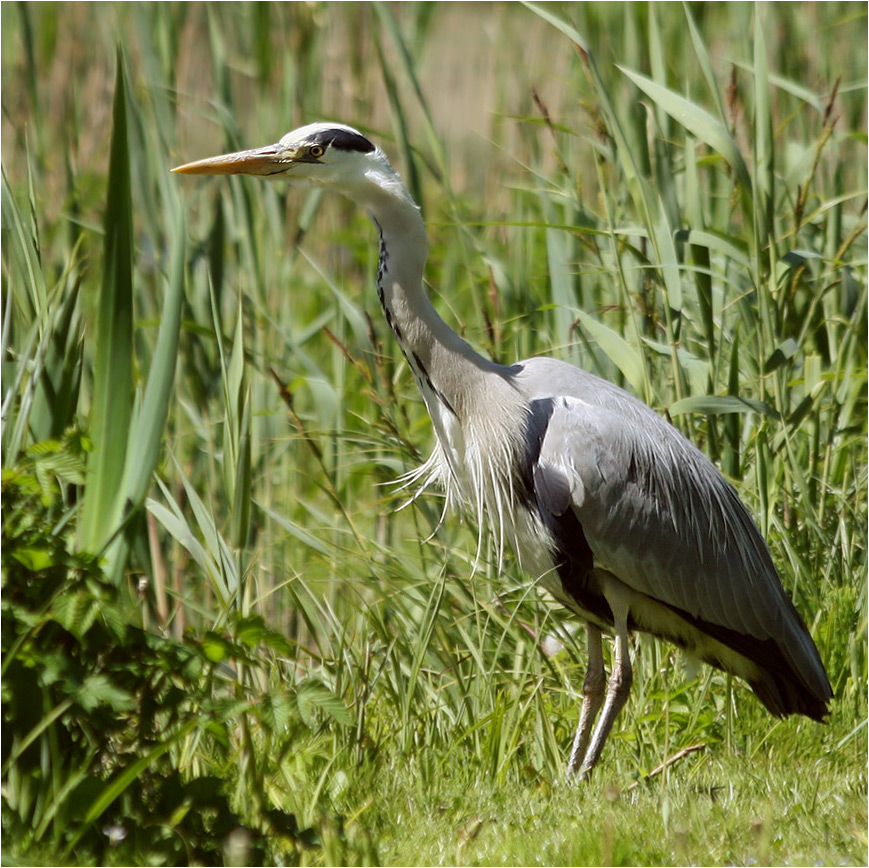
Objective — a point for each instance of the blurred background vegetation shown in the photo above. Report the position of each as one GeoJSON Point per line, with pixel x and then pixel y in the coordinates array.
{"type": "Point", "coordinates": [221, 641]}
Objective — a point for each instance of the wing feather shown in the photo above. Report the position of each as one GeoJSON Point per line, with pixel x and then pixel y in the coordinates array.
{"type": "Point", "coordinates": [659, 516]}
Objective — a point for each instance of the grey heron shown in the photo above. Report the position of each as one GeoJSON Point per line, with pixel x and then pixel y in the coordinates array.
{"type": "Point", "coordinates": [607, 505]}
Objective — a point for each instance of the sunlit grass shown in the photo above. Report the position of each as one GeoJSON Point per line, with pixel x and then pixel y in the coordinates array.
{"type": "Point", "coordinates": [690, 224]}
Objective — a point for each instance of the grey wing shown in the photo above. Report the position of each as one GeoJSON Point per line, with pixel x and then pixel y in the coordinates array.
{"type": "Point", "coordinates": [658, 515]}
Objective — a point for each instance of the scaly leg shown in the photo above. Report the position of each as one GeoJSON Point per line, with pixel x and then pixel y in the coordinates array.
{"type": "Point", "coordinates": [617, 691]}
{"type": "Point", "coordinates": [592, 699]}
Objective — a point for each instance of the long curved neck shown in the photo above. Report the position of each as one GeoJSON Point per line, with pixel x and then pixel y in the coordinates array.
{"type": "Point", "coordinates": [478, 414]}
{"type": "Point", "coordinates": [446, 367]}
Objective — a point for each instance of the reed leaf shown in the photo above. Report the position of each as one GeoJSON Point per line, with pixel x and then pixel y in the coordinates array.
{"type": "Point", "coordinates": [111, 405]}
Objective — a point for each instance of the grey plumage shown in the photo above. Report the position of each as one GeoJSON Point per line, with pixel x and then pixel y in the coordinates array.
{"type": "Point", "coordinates": [657, 514]}
{"type": "Point", "coordinates": [607, 505]}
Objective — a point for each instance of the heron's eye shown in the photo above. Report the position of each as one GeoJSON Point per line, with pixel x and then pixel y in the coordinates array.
{"type": "Point", "coordinates": [316, 151]}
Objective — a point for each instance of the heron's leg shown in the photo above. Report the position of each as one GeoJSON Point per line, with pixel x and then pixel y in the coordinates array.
{"type": "Point", "coordinates": [617, 691]}
{"type": "Point", "coordinates": [592, 698]}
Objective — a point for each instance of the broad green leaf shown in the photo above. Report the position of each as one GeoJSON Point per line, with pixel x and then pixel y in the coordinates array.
{"type": "Point", "coordinates": [696, 370]}
{"type": "Point", "coordinates": [625, 357]}
{"type": "Point", "coordinates": [216, 648]}
{"type": "Point", "coordinates": [98, 690]}
{"type": "Point", "coordinates": [277, 711]}
{"type": "Point", "coordinates": [312, 696]}
{"type": "Point", "coordinates": [696, 119]}
{"type": "Point", "coordinates": [146, 437]}
{"type": "Point", "coordinates": [252, 630]}
{"type": "Point", "coordinates": [146, 430]}
{"type": "Point", "coordinates": [76, 612]}
{"type": "Point", "coordinates": [713, 405]}
{"type": "Point", "coordinates": [112, 374]}
{"type": "Point", "coordinates": [728, 246]}
{"type": "Point", "coordinates": [34, 559]}
{"type": "Point", "coordinates": [561, 281]}
{"type": "Point", "coordinates": [785, 351]}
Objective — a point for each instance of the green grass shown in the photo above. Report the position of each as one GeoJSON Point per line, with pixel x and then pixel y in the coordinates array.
{"type": "Point", "coordinates": [220, 635]}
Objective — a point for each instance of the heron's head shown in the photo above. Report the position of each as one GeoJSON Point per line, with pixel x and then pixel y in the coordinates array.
{"type": "Point", "coordinates": [324, 154]}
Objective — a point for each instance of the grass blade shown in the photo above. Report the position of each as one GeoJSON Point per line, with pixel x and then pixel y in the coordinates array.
{"type": "Point", "coordinates": [696, 119]}
{"type": "Point", "coordinates": [720, 404]}
{"type": "Point", "coordinates": [112, 374]}
{"type": "Point", "coordinates": [764, 172]}
{"type": "Point", "coordinates": [625, 357]}
{"type": "Point", "coordinates": [146, 435]}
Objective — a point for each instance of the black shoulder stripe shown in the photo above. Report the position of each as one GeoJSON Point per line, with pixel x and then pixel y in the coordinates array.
{"type": "Point", "coordinates": [343, 140]}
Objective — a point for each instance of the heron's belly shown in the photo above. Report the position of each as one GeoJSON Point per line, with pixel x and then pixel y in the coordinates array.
{"type": "Point", "coordinates": [533, 544]}
{"type": "Point", "coordinates": [534, 547]}
{"type": "Point", "coordinates": [536, 550]}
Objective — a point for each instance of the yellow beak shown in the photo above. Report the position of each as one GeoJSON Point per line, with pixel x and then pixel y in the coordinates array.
{"type": "Point", "coordinates": [269, 160]}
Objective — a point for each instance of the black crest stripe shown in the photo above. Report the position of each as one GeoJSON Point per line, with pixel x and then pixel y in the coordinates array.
{"type": "Point", "coordinates": [343, 140]}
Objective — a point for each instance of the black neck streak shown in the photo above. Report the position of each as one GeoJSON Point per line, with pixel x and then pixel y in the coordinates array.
{"type": "Point", "coordinates": [382, 270]}
{"type": "Point", "coordinates": [423, 379]}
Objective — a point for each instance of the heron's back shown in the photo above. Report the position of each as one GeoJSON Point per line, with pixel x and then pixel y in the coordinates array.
{"type": "Point", "coordinates": [654, 511]}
